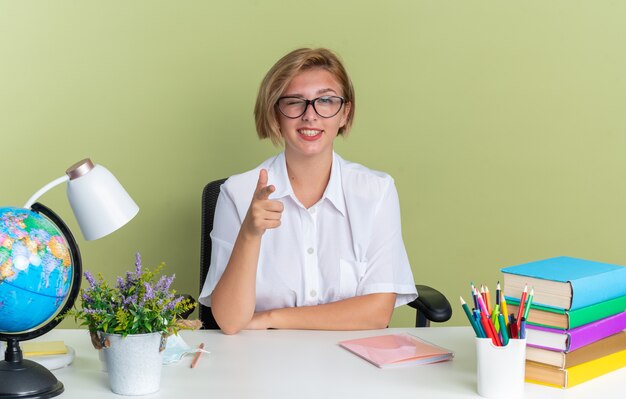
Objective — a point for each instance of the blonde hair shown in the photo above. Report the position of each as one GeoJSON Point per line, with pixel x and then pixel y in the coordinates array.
{"type": "Point", "coordinates": [279, 77]}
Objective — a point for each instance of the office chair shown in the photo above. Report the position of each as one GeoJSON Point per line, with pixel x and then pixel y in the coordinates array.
{"type": "Point", "coordinates": [431, 305]}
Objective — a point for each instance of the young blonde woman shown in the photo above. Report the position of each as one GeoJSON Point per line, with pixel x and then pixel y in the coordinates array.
{"type": "Point", "coordinates": [307, 240]}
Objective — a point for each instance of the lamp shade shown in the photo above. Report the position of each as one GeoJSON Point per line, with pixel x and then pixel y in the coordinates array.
{"type": "Point", "coordinates": [100, 203]}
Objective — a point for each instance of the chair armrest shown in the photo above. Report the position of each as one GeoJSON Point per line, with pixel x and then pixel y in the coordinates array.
{"type": "Point", "coordinates": [432, 304]}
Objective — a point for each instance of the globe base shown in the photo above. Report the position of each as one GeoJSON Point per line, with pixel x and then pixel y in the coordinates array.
{"type": "Point", "coordinates": [27, 379]}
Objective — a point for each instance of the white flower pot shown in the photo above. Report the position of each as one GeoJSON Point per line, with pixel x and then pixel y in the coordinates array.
{"type": "Point", "coordinates": [134, 363]}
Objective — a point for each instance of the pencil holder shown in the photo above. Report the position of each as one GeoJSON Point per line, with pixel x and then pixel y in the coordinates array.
{"type": "Point", "coordinates": [500, 369]}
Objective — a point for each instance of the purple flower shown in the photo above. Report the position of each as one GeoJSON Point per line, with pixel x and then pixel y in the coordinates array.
{"type": "Point", "coordinates": [90, 279]}
{"type": "Point", "coordinates": [149, 295]}
{"type": "Point", "coordinates": [172, 304]}
{"type": "Point", "coordinates": [131, 300]}
{"type": "Point", "coordinates": [138, 265]}
{"type": "Point", "coordinates": [94, 311]}
{"type": "Point", "coordinates": [164, 283]}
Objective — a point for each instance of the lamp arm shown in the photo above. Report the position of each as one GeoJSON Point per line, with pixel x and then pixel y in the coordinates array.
{"type": "Point", "coordinates": [45, 189]}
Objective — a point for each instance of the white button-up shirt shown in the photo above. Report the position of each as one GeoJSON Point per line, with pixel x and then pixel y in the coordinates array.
{"type": "Point", "coordinates": [348, 244]}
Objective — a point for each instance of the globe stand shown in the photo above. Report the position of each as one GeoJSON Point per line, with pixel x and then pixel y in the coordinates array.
{"type": "Point", "coordinates": [23, 378]}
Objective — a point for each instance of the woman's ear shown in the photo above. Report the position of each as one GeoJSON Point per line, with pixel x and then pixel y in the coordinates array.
{"type": "Point", "coordinates": [344, 115]}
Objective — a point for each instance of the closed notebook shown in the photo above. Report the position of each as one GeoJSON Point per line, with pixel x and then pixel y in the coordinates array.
{"type": "Point", "coordinates": [43, 348]}
{"type": "Point", "coordinates": [568, 377]}
{"type": "Point", "coordinates": [570, 340]}
{"type": "Point", "coordinates": [394, 350]}
{"type": "Point", "coordinates": [587, 353]}
{"type": "Point", "coordinates": [568, 319]}
{"type": "Point", "coordinates": [566, 283]}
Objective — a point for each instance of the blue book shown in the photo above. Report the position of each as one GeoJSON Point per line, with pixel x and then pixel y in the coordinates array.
{"type": "Point", "coordinates": [566, 283]}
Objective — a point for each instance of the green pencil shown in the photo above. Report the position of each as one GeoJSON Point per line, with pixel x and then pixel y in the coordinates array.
{"type": "Point", "coordinates": [470, 318]}
{"type": "Point", "coordinates": [529, 302]}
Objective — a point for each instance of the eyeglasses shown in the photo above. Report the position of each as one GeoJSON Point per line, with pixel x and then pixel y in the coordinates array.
{"type": "Point", "coordinates": [295, 107]}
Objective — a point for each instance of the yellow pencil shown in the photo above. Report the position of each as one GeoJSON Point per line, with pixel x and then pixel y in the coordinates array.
{"type": "Point", "coordinates": [503, 306]}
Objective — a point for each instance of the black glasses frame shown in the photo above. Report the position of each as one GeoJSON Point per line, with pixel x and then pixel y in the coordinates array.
{"type": "Point", "coordinates": [312, 103]}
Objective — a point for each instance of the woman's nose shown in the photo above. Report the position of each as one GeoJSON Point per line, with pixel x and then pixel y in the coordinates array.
{"type": "Point", "coordinates": [309, 113]}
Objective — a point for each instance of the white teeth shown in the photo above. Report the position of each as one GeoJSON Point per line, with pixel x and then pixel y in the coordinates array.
{"type": "Point", "coordinates": [309, 132]}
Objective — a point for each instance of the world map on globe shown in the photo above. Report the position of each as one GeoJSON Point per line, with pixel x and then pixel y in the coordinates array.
{"type": "Point", "coordinates": [35, 270]}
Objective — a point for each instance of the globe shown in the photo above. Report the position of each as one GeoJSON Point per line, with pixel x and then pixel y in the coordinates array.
{"type": "Point", "coordinates": [40, 271]}
{"type": "Point", "coordinates": [35, 270]}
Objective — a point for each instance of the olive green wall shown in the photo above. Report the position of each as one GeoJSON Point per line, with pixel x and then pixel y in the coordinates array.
{"type": "Point", "coordinates": [502, 122]}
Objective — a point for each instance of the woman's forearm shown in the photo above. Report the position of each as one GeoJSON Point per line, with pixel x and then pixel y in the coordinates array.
{"type": "Point", "coordinates": [234, 298]}
{"type": "Point", "coordinates": [365, 312]}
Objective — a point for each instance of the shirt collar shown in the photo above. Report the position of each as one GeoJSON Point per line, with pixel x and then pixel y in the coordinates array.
{"type": "Point", "coordinates": [277, 175]}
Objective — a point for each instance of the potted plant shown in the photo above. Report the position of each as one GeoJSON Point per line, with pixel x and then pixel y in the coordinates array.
{"type": "Point", "coordinates": [130, 323]}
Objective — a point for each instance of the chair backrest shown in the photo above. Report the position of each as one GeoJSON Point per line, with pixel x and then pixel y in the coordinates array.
{"type": "Point", "coordinates": [209, 201]}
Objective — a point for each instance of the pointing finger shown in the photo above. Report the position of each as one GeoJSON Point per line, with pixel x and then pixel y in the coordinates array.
{"type": "Point", "coordinates": [262, 182]}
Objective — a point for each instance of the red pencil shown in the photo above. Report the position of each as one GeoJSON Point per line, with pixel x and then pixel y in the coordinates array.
{"type": "Point", "coordinates": [522, 302]}
{"type": "Point", "coordinates": [489, 329]}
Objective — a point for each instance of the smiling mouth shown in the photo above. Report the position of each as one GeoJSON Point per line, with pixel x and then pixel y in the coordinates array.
{"type": "Point", "coordinates": [309, 132]}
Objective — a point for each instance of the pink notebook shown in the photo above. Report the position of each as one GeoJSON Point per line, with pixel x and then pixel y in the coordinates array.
{"type": "Point", "coordinates": [395, 350]}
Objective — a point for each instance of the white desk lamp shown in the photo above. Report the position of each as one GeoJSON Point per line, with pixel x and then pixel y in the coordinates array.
{"type": "Point", "coordinates": [100, 203]}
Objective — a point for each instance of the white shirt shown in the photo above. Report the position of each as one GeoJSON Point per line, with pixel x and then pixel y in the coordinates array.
{"type": "Point", "coordinates": [347, 244]}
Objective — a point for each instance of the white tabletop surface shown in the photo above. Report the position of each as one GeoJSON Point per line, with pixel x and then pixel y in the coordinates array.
{"type": "Point", "coordinates": [307, 364]}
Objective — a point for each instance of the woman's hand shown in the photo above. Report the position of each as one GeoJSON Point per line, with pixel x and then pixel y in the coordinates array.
{"type": "Point", "coordinates": [263, 213]}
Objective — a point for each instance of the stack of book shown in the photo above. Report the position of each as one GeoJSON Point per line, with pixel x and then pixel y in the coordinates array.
{"type": "Point", "coordinates": [574, 330]}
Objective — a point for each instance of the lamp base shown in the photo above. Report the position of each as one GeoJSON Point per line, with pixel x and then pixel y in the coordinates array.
{"type": "Point", "coordinates": [27, 379]}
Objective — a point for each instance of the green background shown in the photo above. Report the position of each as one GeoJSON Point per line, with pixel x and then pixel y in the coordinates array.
{"type": "Point", "coordinates": [502, 122]}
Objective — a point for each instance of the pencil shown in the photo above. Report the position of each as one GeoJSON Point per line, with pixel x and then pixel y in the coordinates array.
{"type": "Point", "coordinates": [488, 300]}
{"type": "Point", "coordinates": [505, 335]}
{"type": "Point", "coordinates": [196, 357]}
{"type": "Point", "coordinates": [528, 303]}
{"type": "Point", "coordinates": [522, 302]}
{"type": "Point", "coordinates": [498, 293]}
{"type": "Point", "coordinates": [522, 331]}
{"type": "Point", "coordinates": [481, 304]}
{"type": "Point", "coordinates": [474, 295]}
{"type": "Point", "coordinates": [471, 319]}
{"type": "Point", "coordinates": [503, 308]}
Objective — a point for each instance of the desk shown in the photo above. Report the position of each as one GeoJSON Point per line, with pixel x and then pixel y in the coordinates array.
{"type": "Point", "coordinates": [307, 364]}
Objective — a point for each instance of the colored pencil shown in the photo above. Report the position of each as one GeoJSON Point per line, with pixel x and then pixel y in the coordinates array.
{"type": "Point", "coordinates": [482, 307]}
{"type": "Point", "coordinates": [522, 331]}
{"type": "Point", "coordinates": [505, 335]}
{"type": "Point", "coordinates": [488, 300]}
{"type": "Point", "coordinates": [503, 308]}
{"type": "Point", "coordinates": [196, 357]}
{"type": "Point", "coordinates": [529, 302]}
{"type": "Point", "coordinates": [522, 302]}
{"type": "Point", "coordinates": [498, 290]}
{"type": "Point", "coordinates": [474, 295]}
{"type": "Point", "coordinates": [470, 317]}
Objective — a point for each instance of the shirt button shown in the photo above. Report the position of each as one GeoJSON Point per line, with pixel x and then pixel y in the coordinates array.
{"type": "Point", "coordinates": [313, 293]}
{"type": "Point", "coordinates": [310, 251]}
{"type": "Point", "coordinates": [312, 210]}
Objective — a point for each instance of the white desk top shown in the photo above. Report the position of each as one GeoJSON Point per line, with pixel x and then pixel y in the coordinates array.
{"type": "Point", "coordinates": [307, 364]}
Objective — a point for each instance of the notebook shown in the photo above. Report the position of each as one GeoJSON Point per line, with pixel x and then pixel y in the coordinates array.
{"type": "Point", "coordinates": [395, 350]}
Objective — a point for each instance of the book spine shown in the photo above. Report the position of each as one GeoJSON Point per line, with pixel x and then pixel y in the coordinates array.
{"type": "Point", "coordinates": [595, 312]}
{"type": "Point", "coordinates": [595, 331]}
{"type": "Point", "coordinates": [595, 368]}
